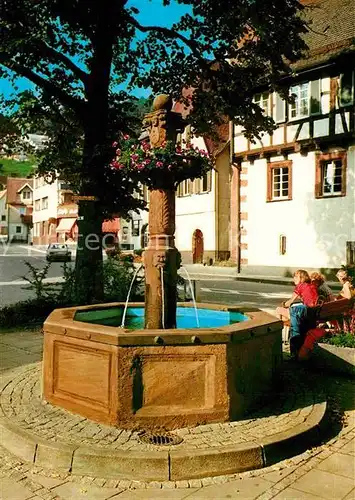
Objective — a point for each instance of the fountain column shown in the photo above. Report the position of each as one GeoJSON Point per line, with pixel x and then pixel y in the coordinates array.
{"type": "Point", "coordinates": [161, 258]}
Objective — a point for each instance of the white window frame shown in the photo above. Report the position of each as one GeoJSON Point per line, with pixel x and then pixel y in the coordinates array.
{"type": "Point", "coordinates": [262, 99]}
{"type": "Point", "coordinates": [324, 166]}
{"type": "Point", "coordinates": [295, 106]}
{"type": "Point", "coordinates": [282, 174]}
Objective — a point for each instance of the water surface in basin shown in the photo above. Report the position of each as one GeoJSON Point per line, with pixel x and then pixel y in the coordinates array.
{"type": "Point", "coordinates": [185, 317]}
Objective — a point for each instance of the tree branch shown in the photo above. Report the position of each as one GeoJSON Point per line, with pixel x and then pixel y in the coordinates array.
{"type": "Point", "coordinates": [170, 33]}
{"type": "Point", "coordinates": [46, 85]}
{"type": "Point", "coordinates": [55, 55]}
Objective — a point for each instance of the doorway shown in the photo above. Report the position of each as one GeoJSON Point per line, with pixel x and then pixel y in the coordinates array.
{"type": "Point", "coordinates": [197, 247]}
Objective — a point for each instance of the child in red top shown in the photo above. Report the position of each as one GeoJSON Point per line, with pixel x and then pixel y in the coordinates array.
{"type": "Point", "coordinates": [304, 290]}
{"type": "Point", "coordinates": [301, 317]}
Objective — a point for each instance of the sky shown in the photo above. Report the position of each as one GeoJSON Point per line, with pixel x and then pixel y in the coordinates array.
{"type": "Point", "coordinates": [152, 12]}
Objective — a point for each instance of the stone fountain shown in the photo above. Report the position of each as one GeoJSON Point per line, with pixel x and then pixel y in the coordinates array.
{"type": "Point", "coordinates": [160, 376]}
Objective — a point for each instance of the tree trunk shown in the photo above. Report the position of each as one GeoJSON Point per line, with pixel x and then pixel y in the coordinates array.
{"type": "Point", "coordinates": [88, 266]}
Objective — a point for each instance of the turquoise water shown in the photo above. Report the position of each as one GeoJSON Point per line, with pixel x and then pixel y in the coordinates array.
{"type": "Point", "coordinates": [185, 316]}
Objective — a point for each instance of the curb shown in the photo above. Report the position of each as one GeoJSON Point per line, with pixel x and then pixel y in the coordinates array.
{"type": "Point", "coordinates": [272, 280]}
{"type": "Point", "coordinates": [163, 465]}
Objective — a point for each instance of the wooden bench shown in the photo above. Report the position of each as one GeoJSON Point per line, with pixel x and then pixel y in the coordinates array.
{"type": "Point", "coordinates": [328, 311]}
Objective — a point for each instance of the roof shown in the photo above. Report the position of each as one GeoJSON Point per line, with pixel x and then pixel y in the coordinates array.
{"type": "Point", "coordinates": [14, 185]}
{"type": "Point", "coordinates": [111, 226]}
{"type": "Point", "coordinates": [25, 185]}
{"type": "Point", "coordinates": [331, 31]}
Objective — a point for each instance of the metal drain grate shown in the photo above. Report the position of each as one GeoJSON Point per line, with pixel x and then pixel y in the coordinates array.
{"type": "Point", "coordinates": [161, 439]}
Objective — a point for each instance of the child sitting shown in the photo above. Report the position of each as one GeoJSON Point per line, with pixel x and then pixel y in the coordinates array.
{"type": "Point", "coordinates": [323, 289]}
{"type": "Point", "coordinates": [302, 318]}
{"type": "Point", "coordinates": [347, 292]}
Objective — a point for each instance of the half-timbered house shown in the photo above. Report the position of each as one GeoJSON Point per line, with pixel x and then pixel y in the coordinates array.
{"type": "Point", "coordinates": [293, 191]}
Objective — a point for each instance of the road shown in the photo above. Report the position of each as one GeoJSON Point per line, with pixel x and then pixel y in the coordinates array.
{"type": "Point", "coordinates": [13, 268]}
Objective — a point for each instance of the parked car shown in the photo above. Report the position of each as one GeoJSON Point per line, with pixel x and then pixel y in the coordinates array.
{"type": "Point", "coordinates": [58, 251]}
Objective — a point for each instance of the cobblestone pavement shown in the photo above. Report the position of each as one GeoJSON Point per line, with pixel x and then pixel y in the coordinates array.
{"type": "Point", "coordinates": [325, 472]}
{"type": "Point", "coordinates": [21, 403]}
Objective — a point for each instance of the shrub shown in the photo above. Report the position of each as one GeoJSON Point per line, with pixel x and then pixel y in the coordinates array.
{"type": "Point", "coordinates": [139, 251]}
{"type": "Point", "coordinates": [28, 312]}
{"type": "Point", "coordinates": [340, 340]}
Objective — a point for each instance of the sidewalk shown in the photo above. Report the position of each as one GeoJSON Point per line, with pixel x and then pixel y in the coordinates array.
{"type": "Point", "coordinates": [323, 472]}
{"type": "Point", "coordinates": [199, 271]}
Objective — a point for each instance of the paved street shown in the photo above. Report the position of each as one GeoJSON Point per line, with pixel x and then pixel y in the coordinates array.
{"type": "Point", "coordinates": [13, 268]}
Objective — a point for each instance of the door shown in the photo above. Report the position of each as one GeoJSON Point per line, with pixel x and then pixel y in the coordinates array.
{"type": "Point", "coordinates": [197, 247]}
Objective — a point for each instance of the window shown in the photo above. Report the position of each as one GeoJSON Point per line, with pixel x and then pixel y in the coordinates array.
{"type": "Point", "coordinates": [346, 89]}
{"type": "Point", "coordinates": [306, 100]}
{"type": "Point", "coordinates": [205, 183]}
{"type": "Point", "coordinates": [282, 244]}
{"type": "Point", "coordinates": [22, 210]}
{"type": "Point", "coordinates": [26, 194]}
{"type": "Point", "coordinates": [18, 229]}
{"type": "Point", "coordinates": [263, 100]}
{"type": "Point", "coordinates": [45, 203]}
{"type": "Point", "coordinates": [135, 227]}
{"type": "Point", "coordinates": [37, 205]}
{"type": "Point", "coordinates": [331, 175]}
{"type": "Point", "coordinates": [279, 182]}
{"type": "Point", "coordinates": [3, 218]}
{"type": "Point", "coordinates": [184, 188]}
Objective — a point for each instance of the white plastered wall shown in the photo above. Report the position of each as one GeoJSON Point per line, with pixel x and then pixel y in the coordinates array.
{"type": "Point", "coordinates": [316, 230]}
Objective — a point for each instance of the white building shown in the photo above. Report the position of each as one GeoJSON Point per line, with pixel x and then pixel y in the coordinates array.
{"type": "Point", "coordinates": [54, 213]}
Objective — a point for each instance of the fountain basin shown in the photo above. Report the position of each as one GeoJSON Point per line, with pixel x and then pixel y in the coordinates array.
{"type": "Point", "coordinates": [160, 378]}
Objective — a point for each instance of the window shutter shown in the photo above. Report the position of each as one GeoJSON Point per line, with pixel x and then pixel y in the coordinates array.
{"type": "Point", "coordinates": [280, 115]}
{"type": "Point", "coordinates": [315, 97]}
{"type": "Point", "coordinates": [209, 180]}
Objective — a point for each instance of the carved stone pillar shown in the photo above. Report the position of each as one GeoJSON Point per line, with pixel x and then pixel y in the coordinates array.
{"type": "Point", "coordinates": [161, 258]}
{"type": "Point", "coordinates": [161, 261]}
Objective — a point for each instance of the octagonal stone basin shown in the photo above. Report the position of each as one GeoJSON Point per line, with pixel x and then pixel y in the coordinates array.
{"type": "Point", "coordinates": [160, 378]}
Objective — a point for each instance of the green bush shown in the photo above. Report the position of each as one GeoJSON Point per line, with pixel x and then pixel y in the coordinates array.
{"type": "Point", "coordinates": [139, 251]}
{"type": "Point", "coordinates": [340, 340]}
{"type": "Point", "coordinates": [28, 312]}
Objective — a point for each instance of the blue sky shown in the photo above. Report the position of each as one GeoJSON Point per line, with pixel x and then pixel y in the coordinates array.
{"type": "Point", "coordinates": [152, 12]}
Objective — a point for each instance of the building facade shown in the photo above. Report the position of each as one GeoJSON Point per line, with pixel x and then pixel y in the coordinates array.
{"type": "Point", "coordinates": [295, 188]}
{"type": "Point", "coordinates": [16, 212]}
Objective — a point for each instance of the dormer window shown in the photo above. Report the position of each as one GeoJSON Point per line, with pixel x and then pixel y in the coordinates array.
{"type": "Point", "coordinates": [26, 194]}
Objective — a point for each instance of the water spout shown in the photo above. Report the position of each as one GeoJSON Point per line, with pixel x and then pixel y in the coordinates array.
{"type": "Point", "coordinates": [192, 295]}
{"type": "Point", "coordinates": [129, 293]}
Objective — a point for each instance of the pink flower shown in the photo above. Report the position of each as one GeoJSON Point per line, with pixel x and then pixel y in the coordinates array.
{"type": "Point", "coordinates": [134, 157]}
{"type": "Point", "coordinates": [140, 166]}
{"type": "Point", "coordinates": [118, 151]}
{"type": "Point", "coordinates": [147, 161]}
{"type": "Point", "coordinates": [160, 164]}
{"type": "Point", "coordinates": [114, 144]}
{"type": "Point", "coordinates": [126, 137]}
